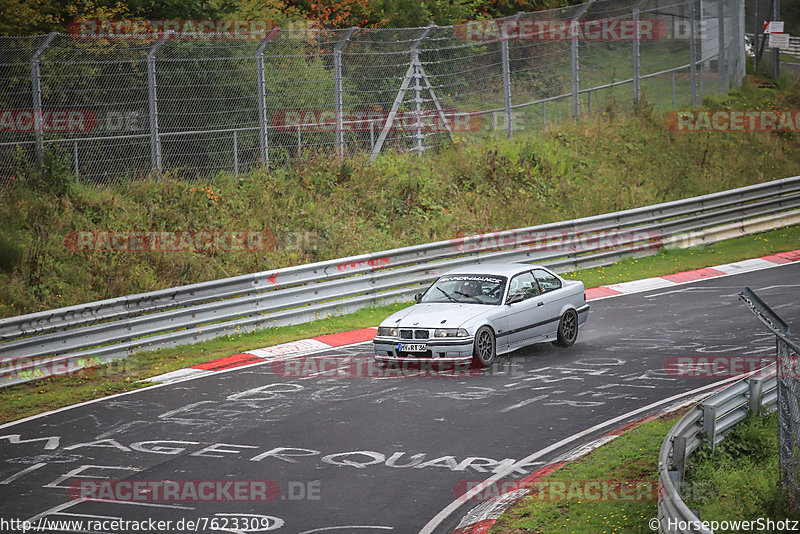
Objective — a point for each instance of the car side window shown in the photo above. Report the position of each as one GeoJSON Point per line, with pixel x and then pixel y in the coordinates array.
{"type": "Point", "coordinates": [547, 281]}
{"type": "Point", "coordinates": [525, 284]}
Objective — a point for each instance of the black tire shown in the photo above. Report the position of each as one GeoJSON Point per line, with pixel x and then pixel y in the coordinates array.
{"type": "Point", "coordinates": [485, 347]}
{"type": "Point", "coordinates": [567, 329]}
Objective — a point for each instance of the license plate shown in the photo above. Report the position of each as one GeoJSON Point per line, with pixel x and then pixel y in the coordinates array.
{"type": "Point", "coordinates": [412, 347]}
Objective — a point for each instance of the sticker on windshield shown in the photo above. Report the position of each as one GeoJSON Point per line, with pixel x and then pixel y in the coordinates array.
{"type": "Point", "coordinates": [470, 277]}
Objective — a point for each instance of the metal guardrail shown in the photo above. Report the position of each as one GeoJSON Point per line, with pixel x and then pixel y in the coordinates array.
{"type": "Point", "coordinates": [53, 341]}
{"type": "Point", "coordinates": [794, 44]}
{"type": "Point", "coordinates": [706, 423]}
{"type": "Point", "coordinates": [709, 422]}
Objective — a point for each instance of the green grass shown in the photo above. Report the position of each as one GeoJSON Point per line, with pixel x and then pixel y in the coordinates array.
{"type": "Point", "coordinates": [41, 395]}
{"type": "Point", "coordinates": [668, 261]}
{"type": "Point", "coordinates": [632, 457]}
{"type": "Point", "coordinates": [786, 58]}
{"type": "Point", "coordinates": [740, 478]}
{"type": "Point", "coordinates": [321, 208]}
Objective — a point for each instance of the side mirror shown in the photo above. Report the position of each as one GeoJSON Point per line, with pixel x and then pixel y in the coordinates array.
{"type": "Point", "coordinates": [518, 297]}
{"type": "Point", "coordinates": [418, 297]}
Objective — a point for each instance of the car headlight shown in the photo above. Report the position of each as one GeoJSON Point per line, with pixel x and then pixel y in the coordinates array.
{"type": "Point", "coordinates": [388, 331]}
{"type": "Point", "coordinates": [450, 332]}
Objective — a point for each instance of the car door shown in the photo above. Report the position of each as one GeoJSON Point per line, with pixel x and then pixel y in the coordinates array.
{"type": "Point", "coordinates": [522, 316]}
{"type": "Point", "coordinates": [550, 301]}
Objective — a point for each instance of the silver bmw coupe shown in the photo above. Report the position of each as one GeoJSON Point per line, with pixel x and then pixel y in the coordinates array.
{"type": "Point", "coordinates": [484, 310]}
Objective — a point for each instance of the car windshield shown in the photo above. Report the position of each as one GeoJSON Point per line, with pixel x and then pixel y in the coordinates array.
{"type": "Point", "coordinates": [467, 289]}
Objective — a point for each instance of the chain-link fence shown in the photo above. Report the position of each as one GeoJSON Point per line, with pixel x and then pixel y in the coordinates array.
{"type": "Point", "coordinates": [788, 377]}
{"type": "Point", "coordinates": [116, 109]}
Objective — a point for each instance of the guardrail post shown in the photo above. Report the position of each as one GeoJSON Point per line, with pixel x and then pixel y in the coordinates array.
{"type": "Point", "coordinates": [152, 92]}
{"type": "Point", "coordinates": [710, 424]}
{"type": "Point", "coordinates": [337, 80]}
{"type": "Point", "coordinates": [507, 77]}
{"type": "Point", "coordinates": [36, 88]}
{"type": "Point", "coordinates": [679, 459]}
{"type": "Point", "coordinates": [262, 95]}
{"type": "Point", "coordinates": [756, 389]}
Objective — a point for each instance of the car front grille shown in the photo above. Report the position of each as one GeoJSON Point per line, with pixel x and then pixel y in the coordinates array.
{"type": "Point", "coordinates": [414, 334]}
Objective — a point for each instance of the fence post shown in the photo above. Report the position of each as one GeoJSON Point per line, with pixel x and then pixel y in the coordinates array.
{"type": "Point", "coordinates": [721, 71]}
{"type": "Point", "coordinates": [262, 96]}
{"type": "Point", "coordinates": [75, 167]}
{"type": "Point", "coordinates": [573, 34]}
{"type": "Point", "coordinates": [371, 135]}
{"type": "Point", "coordinates": [412, 72]}
{"type": "Point", "coordinates": [337, 81]}
{"type": "Point", "coordinates": [776, 53]}
{"type": "Point", "coordinates": [636, 55]}
{"type": "Point", "coordinates": [36, 88]}
{"type": "Point", "coordinates": [574, 68]}
{"type": "Point", "coordinates": [417, 104]}
{"type": "Point", "coordinates": [152, 92]}
{"type": "Point", "coordinates": [692, 52]}
{"type": "Point", "coordinates": [544, 114]}
{"type": "Point", "coordinates": [417, 74]}
{"type": "Point", "coordinates": [674, 96]}
{"type": "Point", "coordinates": [235, 154]}
{"type": "Point", "coordinates": [756, 35]}
{"type": "Point", "coordinates": [507, 75]}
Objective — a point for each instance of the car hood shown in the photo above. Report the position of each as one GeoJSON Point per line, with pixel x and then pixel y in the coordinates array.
{"type": "Point", "coordinates": [431, 315]}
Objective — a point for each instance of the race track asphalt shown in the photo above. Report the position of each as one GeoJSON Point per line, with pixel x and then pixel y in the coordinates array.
{"type": "Point", "coordinates": [381, 451]}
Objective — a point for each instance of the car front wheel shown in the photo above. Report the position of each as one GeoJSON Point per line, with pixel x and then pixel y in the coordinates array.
{"type": "Point", "coordinates": [485, 347]}
{"type": "Point", "coordinates": [567, 329]}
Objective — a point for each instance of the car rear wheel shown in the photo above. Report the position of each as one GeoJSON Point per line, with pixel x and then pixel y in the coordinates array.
{"type": "Point", "coordinates": [567, 329]}
{"type": "Point", "coordinates": [485, 347]}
